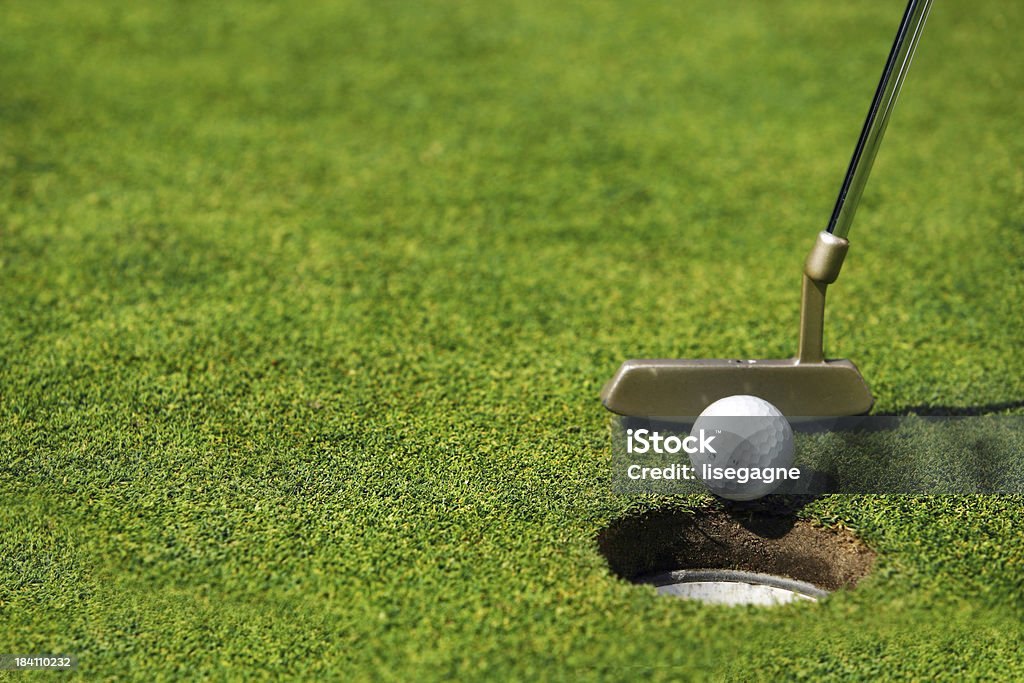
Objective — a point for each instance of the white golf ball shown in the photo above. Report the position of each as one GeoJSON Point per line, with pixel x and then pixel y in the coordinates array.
{"type": "Point", "coordinates": [749, 433]}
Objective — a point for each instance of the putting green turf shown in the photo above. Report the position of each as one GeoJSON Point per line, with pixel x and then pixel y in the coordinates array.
{"type": "Point", "coordinates": [306, 310]}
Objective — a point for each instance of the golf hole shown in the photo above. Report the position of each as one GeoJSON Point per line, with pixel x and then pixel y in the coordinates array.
{"type": "Point", "coordinates": [746, 555]}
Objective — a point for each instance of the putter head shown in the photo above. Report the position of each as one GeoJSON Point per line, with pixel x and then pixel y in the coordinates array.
{"type": "Point", "coordinates": [684, 388]}
{"type": "Point", "coordinates": [806, 386]}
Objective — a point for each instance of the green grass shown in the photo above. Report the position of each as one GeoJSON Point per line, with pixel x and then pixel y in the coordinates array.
{"type": "Point", "coordinates": [305, 311]}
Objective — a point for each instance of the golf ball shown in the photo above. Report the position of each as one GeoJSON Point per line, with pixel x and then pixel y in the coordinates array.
{"type": "Point", "coordinates": [749, 434]}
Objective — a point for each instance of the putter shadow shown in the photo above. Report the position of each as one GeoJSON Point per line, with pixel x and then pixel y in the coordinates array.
{"type": "Point", "coordinates": [926, 410]}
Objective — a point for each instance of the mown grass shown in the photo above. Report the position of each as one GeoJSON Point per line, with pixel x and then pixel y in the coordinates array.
{"type": "Point", "coordinates": [306, 310]}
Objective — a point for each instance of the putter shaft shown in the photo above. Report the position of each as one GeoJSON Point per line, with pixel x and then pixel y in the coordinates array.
{"type": "Point", "coordinates": [888, 91]}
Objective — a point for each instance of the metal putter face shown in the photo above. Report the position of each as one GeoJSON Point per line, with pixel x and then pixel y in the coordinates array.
{"type": "Point", "coordinates": [684, 388]}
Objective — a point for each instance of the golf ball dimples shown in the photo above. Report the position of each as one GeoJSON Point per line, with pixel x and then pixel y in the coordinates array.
{"type": "Point", "coordinates": [749, 433]}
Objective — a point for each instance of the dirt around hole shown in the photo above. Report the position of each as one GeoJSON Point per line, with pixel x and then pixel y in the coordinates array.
{"type": "Point", "coordinates": [754, 541]}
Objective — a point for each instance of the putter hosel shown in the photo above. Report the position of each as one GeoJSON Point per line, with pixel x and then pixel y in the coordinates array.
{"type": "Point", "coordinates": [821, 268]}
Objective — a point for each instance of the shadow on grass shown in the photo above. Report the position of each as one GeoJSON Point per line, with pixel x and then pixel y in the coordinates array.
{"type": "Point", "coordinates": [925, 410]}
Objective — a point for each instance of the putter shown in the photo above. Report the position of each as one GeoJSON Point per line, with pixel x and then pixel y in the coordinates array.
{"type": "Point", "coordinates": [809, 384]}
